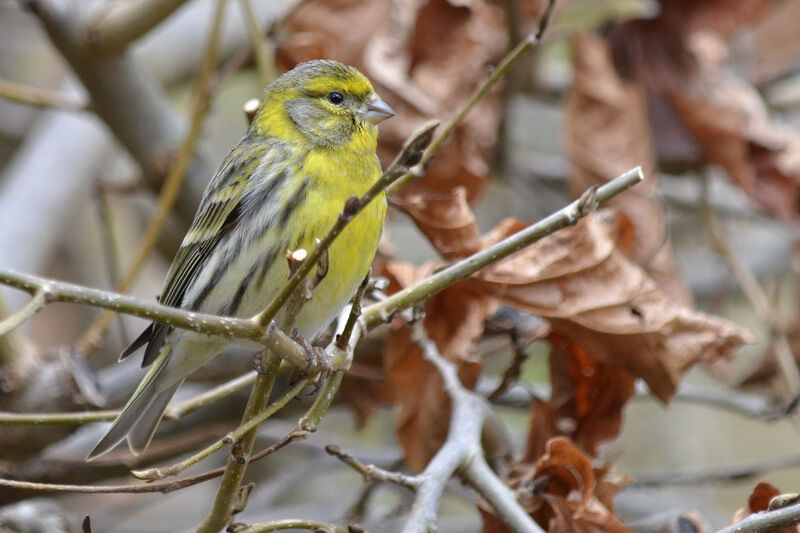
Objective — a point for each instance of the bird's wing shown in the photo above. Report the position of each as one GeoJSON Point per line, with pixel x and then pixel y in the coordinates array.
{"type": "Point", "coordinates": [219, 211]}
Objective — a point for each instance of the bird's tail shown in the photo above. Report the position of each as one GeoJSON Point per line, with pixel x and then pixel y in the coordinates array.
{"type": "Point", "coordinates": [141, 415]}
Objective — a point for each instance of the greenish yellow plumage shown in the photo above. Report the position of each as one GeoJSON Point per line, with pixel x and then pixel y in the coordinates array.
{"type": "Point", "coordinates": [310, 147]}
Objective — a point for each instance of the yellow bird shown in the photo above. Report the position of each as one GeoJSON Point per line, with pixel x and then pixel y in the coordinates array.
{"type": "Point", "coordinates": [310, 147]}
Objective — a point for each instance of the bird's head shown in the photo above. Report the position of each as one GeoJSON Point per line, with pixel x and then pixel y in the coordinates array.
{"type": "Point", "coordinates": [326, 102]}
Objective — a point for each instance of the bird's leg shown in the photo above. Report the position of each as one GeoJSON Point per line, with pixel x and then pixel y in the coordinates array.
{"type": "Point", "coordinates": [314, 354]}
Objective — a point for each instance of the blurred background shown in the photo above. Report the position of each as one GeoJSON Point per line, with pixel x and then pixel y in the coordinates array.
{"type": "Point", "coordinates": [704, 95]}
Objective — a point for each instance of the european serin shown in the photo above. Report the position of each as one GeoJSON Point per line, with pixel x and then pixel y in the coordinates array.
{"type": "Point", "coordinates": [310, 147]}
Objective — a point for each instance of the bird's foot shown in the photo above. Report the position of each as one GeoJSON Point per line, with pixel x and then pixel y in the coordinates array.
{"type": "Point", "coordinates": [315, 354]}
{"type": "Point", "coordinates": [255, 362]}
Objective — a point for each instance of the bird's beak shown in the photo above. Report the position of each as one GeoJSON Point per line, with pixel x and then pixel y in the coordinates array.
{"type": "Point", "coordinates": [378, 111]}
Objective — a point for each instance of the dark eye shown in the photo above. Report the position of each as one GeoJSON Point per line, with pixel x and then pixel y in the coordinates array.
{"type": "Point", "coordinates": [335, 98]}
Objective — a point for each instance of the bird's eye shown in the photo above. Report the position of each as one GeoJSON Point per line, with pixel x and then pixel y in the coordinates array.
{"type": "Point", "coordinates": [335, 98]}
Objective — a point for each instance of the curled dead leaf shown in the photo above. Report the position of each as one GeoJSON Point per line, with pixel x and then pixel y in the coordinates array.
{"type": "Point", "coordinates": [563, 492]}
{"type": "Point", "coordinates": [607, 304]}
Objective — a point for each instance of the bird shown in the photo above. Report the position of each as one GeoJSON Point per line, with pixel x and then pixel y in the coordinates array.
{"type": "Point", "coordinates": [310, 146]}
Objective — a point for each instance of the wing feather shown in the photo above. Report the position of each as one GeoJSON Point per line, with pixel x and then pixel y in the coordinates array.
{"type": "Point", "coordinates": [218, 213]}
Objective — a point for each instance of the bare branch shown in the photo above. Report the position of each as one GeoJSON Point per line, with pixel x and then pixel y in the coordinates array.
{"type": "Point", "coordinates": [461, 452]}
{"type": "Point", "coordinates": [384, 310]}
{"type": "Point", "coordinates": [152, 474]}
{"type": "Point", "coordinates": [173, 181]}
{"type": "Point", "coordinates": [31, 308]}
{"type": "Point", "coordinates": [38, 97]}
{"type": "Point", "coordinates": [293, 523]}
{"type": "Point", "coordinates": [116, 24]}
{"type": "Point", "coordinates": [518, 52]}
{"type": "Point", "coordinates": [755, 294]}
{"type": "Point", "coordinates": [372, 473]}
{"type": "Point", "coordinates": [766, 521]}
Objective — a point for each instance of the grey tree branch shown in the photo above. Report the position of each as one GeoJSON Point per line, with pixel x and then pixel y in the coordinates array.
{"type": "Point", "coordinates": [462, 453]}
{"type": "Point", "coordinates": [766, 521]}
{"type": "Point", "coordinates": [146, 125]}
{"type": "Point", "coordinates": [114, 25]}
{"type": "Point", "coordinates": [588, 202]}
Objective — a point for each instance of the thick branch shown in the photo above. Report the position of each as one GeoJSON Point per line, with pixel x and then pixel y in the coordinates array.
{"type": "Point", "coordinates": [114, 25]}
{"type": "Point", "coordinates": [461, 451]}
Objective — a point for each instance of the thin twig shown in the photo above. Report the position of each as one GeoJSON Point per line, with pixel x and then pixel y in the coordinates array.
{"type": "Point", "coordinates": [404, 163]}
{"type": "Point", "coordinates": [179, 410]}
{"type": "Point", "coordinates": [382, 311]}
{"type": "Point", "coordinates": [222, 326]}
{"type": "Point", "coordinates": [37, 97]}
{"type": "Point", "coordinates": [518, 52]}
{"type": "Point", "coordinates": [733, 474]}
{"type": "Point", "coordinates": [173, 181]}
{"type": "Point", "coordinates": [55, 419]}
{"type": "Point", "coordinates": [294, 523]}
{"type": "Point", "coordinates": [372, 473]}
{"type": "Point", "coordinates": [152, 474]}
{"type": "Point", "coordinates": [35, 304]}
{"type": "Point", "coordinates": [755, 295]}
{"type": "Point", "coordinates": [263, 51]}
{"type": "Point", "coordinates": [766, 521]}
{"type": "Point", "coordinates": [14, 347]}
{"type": "Point", "coordinates": [342, 340]}
{"type": "Point", "coordinates": [174, 411]}
{"type": "Point", "coordinates": [138, 488]}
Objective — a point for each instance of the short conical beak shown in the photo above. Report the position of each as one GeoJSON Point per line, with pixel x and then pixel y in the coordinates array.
{"type": "Point", "coordinates": [378, 111]}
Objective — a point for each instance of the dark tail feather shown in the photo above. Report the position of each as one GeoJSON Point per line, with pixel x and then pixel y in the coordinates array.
{"type": "Point", "coordinates": [140, 341]}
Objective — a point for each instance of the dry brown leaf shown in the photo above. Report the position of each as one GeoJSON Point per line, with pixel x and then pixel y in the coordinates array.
{"type": "Point", "coordinates": [607, 132]}
{"type": "Point", "coordinates": [678, 55]}
{"type": "Point", "coordinates": [563, 492]}
{"type": "Point", "coordinates": [587, 395]}
{"type": "Point", "coordinates": [424, 58]}
{"type": "Point", "coordinates": [776, 43]}
{"type": "Point", "coordinates": [454, 320]}
{"type": "Point", "coordinates": [598, 299]}
{"type": "Point", "coordinates": [731, 123]}
{"type": "Point", "coordinates": [446, 220]}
